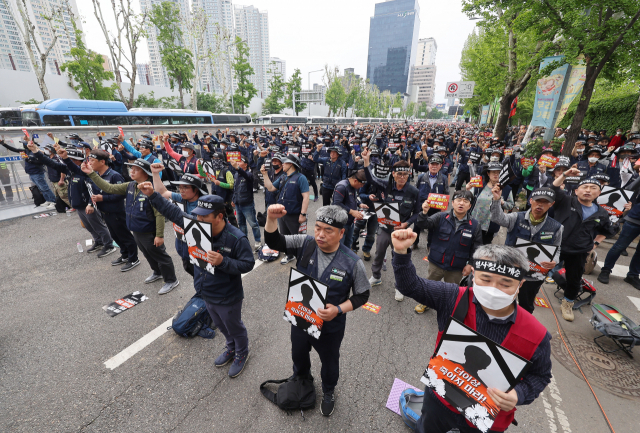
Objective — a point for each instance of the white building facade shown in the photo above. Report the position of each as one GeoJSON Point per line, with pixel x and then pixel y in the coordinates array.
{"type": "Point", "coordinates": [252, 26]}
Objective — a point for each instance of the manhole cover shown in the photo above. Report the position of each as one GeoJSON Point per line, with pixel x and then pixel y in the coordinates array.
{"type": "Point", "coordinates": [614, 372]}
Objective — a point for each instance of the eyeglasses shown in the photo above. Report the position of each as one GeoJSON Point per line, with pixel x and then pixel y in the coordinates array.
{"type": "Point", "coordinates": [402, 174]}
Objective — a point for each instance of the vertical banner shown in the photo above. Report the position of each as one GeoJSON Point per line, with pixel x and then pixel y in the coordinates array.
{"type": "Point", "coordinates": [548, 90]}
{"type": "Point", "coordinates": [574, 87]}
{"type": "Point", "coordinates": [484, 115]}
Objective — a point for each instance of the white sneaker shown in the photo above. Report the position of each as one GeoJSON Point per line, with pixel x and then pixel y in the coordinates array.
{"type": "Point", "coordinates": [47, 204]}
{"type": "Point", "coordinates": [375, 281]}
{"type": "Point", "coordinates": [399, 296]}
{"type": "Point", "coordinates": [51, 206]}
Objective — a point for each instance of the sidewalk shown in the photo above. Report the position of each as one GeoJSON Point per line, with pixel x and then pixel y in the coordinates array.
{"type": "Point", "coordinates": [20, 211]}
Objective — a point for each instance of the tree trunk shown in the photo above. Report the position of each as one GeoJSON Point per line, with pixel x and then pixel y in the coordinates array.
{"type": "Point", "coordinates": [503, 116]}
{"type": "Point", "coordinates": [581, 109]}
{"type": "Point", "coordinates": [635, 126]}
{"type": "Point", "coordinates": [42, 84]}
{"type": "Point", "coordinates": [181, 96]}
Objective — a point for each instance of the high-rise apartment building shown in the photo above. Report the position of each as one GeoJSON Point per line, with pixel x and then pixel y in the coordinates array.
{"type": "Point", "coordinates": [144, 74]}
{"type": "Point", "coordinates": [426, 54]}
{"type": "Point", "coordinates": [393, 40]}
{"type": "Point", "coordinates": [13, 54]}
{"type": "Point", "coordinates": [252, 26]}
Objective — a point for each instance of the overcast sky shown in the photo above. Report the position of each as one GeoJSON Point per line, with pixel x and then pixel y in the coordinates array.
{"type": "Point", "coordinates": [311, 33]}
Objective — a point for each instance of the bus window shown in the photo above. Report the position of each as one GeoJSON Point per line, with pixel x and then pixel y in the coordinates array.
{"type": "Point", "coordinates": [50, 120]}
{"type": "Point", "coordinates": [182, 120]}
{"type": "Point", "coordinates": [87, 120]}
{"type": "Point", "coordinates": [200, 120]}
{"type": "Point", "coordinates": [30, 118]}
{"type": "Point", "coordinates": [116, 120]}
{"type": "Point", "coordinates": [139, 120]}
{"type": "Point", "coordinates": [160, 120]}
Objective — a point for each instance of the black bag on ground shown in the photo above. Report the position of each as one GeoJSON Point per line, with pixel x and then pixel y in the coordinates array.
{"type": "Point", "coordinates": [38, 198]}
{"type": "Point", "coordinates": [261, 218]}
{"type": "Point", "coordinates": [193, 319]}
{"type": "Point", "coordinates": [294, 393]}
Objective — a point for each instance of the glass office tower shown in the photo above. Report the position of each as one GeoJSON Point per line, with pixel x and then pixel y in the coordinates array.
{"type": "Point", "coordinates": [393, 41]}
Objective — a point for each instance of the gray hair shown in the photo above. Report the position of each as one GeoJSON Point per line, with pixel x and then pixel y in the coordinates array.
{"type": "Point", "coordinates": [502, 255]}
{"type": "Point", "coordinates": [334, 212]}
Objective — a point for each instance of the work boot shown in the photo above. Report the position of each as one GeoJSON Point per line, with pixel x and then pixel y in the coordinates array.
{"type": "Point", "coordinates": [604, 276]}
{"type": "Point", "coordinates": [420, 308]}
{"type": "Point", "coordinates": [567, 310]}
{"type": "Point", "coordinates": [633, 280]}
{"type": "Point", "coordinates": [366, 255]}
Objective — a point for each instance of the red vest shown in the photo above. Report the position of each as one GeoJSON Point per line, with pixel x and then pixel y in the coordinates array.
{"type": "Point", "coordinates": [523, 338]}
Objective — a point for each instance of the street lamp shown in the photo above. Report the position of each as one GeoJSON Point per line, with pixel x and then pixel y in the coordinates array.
{"type": "Point", "coordinates": [309, 85]}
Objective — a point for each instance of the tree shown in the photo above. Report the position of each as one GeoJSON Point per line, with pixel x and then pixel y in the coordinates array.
{"type": "Point", "coordinates": [150, 101]}
{"type": "Point", "coordinates": [335, 97]}
{"type": "Point", "coordinates": [294, 85]}
{"type": "Point", "coordinates": [87, 70]}
{"type": "Point", "coordinates": [272, 104]}
{"type": "Point", "coordinates": [512, 51]}
{"type": "Point", "coordinates": [196, 30]}
{"type": "Point", "coordinates": [30, 33]}
{"type": "Point", "coordinates": [245, 89]}
{"type": "Point", "coordinates": [212, 102]}
{"type": "Point", "coordinates": [176, 58]}
{"type": "Point", "coordinates": [219, 59]}
{"type": "Point", "coordinates": [595, 31]}
{"type": "Point", "coordinates": [410, 110]}
{"type": "Point", "coordinates": [123, 46]}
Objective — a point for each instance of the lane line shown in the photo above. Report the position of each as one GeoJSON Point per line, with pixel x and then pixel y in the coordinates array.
{"type": "Point", "coordinates": [136, 347]}
{"type": "Point", "coordinates": [618, 270]}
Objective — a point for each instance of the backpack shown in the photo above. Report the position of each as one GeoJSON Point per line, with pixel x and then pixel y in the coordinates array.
{"type": "Point", "coordinates": [294, 393]}
{"type": "Point", "coordinates": [266, 254]}
{"type": "Point", "coordinates": [193, 319]}
{"type": "Point", "coordinates": [38, 198]}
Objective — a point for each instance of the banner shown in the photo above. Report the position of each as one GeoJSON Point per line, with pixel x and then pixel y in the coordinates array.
{"type": "Point", "coordinates": [198, 236]}
{"type": "Point", "coordinates": [484, 114]}
{"type": "Point", "coordinates": [466, 364]}
{"type": "Point", "coordinates": [613, 200]}
{"type": "Point", "coordinates": [574, 87]}
{"type": "Point", "coordinates": [438, 201]}
{"type": "Point", "coordinates": [304, 298]}
{"type": "Point", "coordinates": [548, 93]}
{"type": "Point", "coordinates": [293, 150]}
{"type": "Point", "coordinates": [536, 253]}
{"type": "Point", "coordinates": [124, 303]}
{"type": "Point", "coordinates": [388, 215]}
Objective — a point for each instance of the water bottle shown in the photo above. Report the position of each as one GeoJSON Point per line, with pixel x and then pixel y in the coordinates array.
{"type": "Point", "coordinates": [68, 212]}
{"type": "Point", "coordinates": [79, 247]}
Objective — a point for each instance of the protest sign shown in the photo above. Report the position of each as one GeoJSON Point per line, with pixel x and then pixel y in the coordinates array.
{"type": "Point", "coordinates": [465, 365]}
{"type": "Point", "coordinates": [124, 303]}
{"type": "Point", "coordinates": [476, 182]}
{"type": "Point", "coordinates": [304, 298]}
{"type": "Point", "coordinates": [475, 157]}
{"type": "Point", "coordinates": [506, 174]}
{"type": "Point", "coordinates": [179, 231]}
{"type": "Point", "coordinates": [372, 307]}
{"type": "Point", "coordinates": [388, 215]}
{"type": "Point", "coordinates": [293, 150]}
{"type": "Point", "coordinates": [537, 253]}
{"type": "Point", "coordinates": [613, 200]}
{"type": "Point", "coordinates": [548, 161]}
{"type": "Point", "coordinates": [198, 237]}
{"type": "Point", "coordinates": [306, 149]}
{"type": "Point", "coordinates": [205, 167]}
{"type": "Point", "coordinates": [175, 167]}
{"type": "Point", "coordinates": [381, 171]}
{"type": "Point", "coordinates": [438, 201]}
{"type": "Point", "coordinates": [508, 152]}
{"type": "Point", "coordinates": [234, 156]}
{"type": "Point", "coordinates": [527, 161]}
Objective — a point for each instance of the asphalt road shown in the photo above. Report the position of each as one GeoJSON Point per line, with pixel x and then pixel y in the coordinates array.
{"type": "Point", "coordinates": [55, 339]}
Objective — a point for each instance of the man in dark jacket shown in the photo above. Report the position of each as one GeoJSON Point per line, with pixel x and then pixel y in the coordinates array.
{"type": "Point", "coordinates": [222, 290]}
{"type": "Point", "coordinates": [243, 199]}
{"type": "Point", "coordinates": [585, 225]}
{"type": "Point", "coordinates": [335, 170]}
{"type": "Point", "coordinates": [346, 196]}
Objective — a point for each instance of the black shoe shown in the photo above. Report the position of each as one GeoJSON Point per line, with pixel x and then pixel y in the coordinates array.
{"type": "Point", "coordinates": [95, 248]}
{"type": "Point", "coordinates": [624, 253]}
{"type": "Point", "coordinates": [604, 276]}
{"type": "Point", "coordinates": [106, 251]}
{"type": "Point", "coordinates": [634, 281]}
{"type": "Point", "coordinates": [119, 261]}
{"type": "Point", "coordinates": [129, 265]}
{"type": "Point", "coordinates": [328, 404]}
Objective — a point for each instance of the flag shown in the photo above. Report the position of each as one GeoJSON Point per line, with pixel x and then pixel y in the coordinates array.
{"type": "Point", "coordinates": [514, 104]}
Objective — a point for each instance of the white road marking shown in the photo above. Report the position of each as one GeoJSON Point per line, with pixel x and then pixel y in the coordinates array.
{"type": "Point", "coordinates": [635, 301]}
{"type": "Point", "coordinates": [549, 408]}
{"type": "Point", "coordinates": [618, 270]}
{"type": "Point", "coordinates": [136, 347]}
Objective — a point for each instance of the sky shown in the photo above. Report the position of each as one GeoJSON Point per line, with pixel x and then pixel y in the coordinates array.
{"type": "Point", "coordinates": [308, 34]}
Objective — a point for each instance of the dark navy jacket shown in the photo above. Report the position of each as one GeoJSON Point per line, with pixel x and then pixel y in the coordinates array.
{"type": "Point", "coordinates": [408, 197]}
{"type": "Point", "coordinates": [441, 186]}
{"type": "Point", "coordinates": [334, 172]}
{"type": "Point", "coordinates": [546, 235]}
{"type": "Point", "coordinates": [243, 188]}
{"type": "Point", "coordinates": [111, 203]}
{"type": "Point", "coordinates": [32, 165]}
{"type": "Point", "coordinates": [224, 287]}
{"type": "Point", "coordinates": [345, 196]}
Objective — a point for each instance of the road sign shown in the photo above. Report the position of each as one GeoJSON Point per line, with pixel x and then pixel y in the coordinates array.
{"type": "Point", "coordinates": [460, 89]}
{"type": "Point", "coordinates": [396, 110]}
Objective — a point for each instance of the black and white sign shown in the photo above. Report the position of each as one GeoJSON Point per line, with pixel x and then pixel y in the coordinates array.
{"type": "Point", "coordinates": [175, 167]}
{"type": "Point", "coordinates": [506, 174]}
{"type": "Point", "coordinates": [460, 89]}
{"type": "Point", "coordinates": [475, 157]}
{"type": "Point", "coordinates": [537, 253]}
{"type": "Point", "coordinates": [388, 215]}
{"type": "Point", "coordinates": [198, 238]}
{"type": "Point", "coordinates": [613, 200]}
{"type": "Point", "coordinates": [124, 303]}
{"type": "Point", "coordinates": [381, 171]}
{"type": "Point", "coordinates": [304, 298]}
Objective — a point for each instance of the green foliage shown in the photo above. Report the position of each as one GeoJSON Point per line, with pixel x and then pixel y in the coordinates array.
{"type": "Point", "coordinates": [150, 101]}
{"type": "Point", "coordinates": [212, 102]}
{"type": "Point", "coordinates": [177, 60]}
{"type": "Point", "coordinates": [272, 104]}
{"type": "Point", "coordinates": [294, 85]}
{"type": "Point", "coordinates": [86, 69]}
{"type": "Point", "coordinates": [243, 70]}
{"type": "Point", "coordinates": [31, 101]}
{"type": "Point", "coordinates": [335, 97]}
{"type": "Point", "coordinates": [606, 113]}
{"type": "Point", "coordinates": [534, 147]}
{"type": "Point", "coordinates": [435, 114]}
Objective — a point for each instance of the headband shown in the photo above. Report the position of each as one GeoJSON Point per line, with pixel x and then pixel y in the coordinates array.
{"type": "Point", "coordinates": [509, 271]}
{"type": "Point", "coordinates": [330, 221]}
{"type": "Point", "coordinates": [402, 169]}
{"type": "Point", "coordinates": [591, 180]}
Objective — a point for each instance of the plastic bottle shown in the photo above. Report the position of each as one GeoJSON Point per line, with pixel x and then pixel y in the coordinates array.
{"type": "Point", "coordinates": [79, 247]}
{"type": "Point", "coordinates": [68, 212]}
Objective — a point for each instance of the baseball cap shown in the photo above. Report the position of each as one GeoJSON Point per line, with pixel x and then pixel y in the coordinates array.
{"type": "Point", "coordinates": [74, 153]}
{"type": "Point", "coordinates": [208, 204]}
{"type": "Point", "coordinates": [435, 159]}
{"type": "Point", "coordinates": [545, 193]}
{"type": "Point", "coordinates": [143, 164]}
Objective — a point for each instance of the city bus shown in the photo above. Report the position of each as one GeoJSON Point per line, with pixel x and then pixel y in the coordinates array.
{"type": "Point", "coordinates": [80, 112]}
{"type": "Point", "coordinates": [281, 118]}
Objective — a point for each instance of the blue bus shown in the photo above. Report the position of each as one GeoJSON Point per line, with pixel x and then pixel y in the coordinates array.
{"type": "Point", "coordinates": [80, 112]}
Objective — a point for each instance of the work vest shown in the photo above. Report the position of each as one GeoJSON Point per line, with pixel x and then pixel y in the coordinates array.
{"type": "Point", "coordinates": [451, 248]}
{"type": "Point", "coordinates": [332, 174]}
{"type": "Point", "coordinates": [406, 197]}
{"type": "Point", "coordinates": [424, 186]}
{"type": "Point", "coordinates": [589, 171]}
{"type": "Point", "coordinates": [523, 338]}
{"type": "Point", "coordinates": [219, 190]}
{"type": "Point", "coordinates": [221, 287]}
{"type": "Point", "coordinates": [546, 235]}
{"type": "Point", "coordinates": [189, 166]}
{"type": "Point", "coordinates": [290, 195]}
{"type": "Point", "coordinates": [242, 190]}
{"type": "Point", "coordinates": [349, 193]}
{"type": "Point", "coordinates": [140, 216]}
{"type": "Point", "coordinates": [271, 197]}
{"type": "Point", "coordinates": [338, 276]}
{"type": "Point", "coordinates": [78, 191]}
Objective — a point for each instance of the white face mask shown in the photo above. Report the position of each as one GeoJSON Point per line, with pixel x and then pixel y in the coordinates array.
{"type": "Point", "coordinates": [185, 154]}
{"type": "Point", "coordinates": [492, 298]}
{"type": "Point", "coordinates": [580, 151]}
{"type": "Point", "coordinates": [593, 159]}
{"type": "Point", "coordinates": [494, 159]}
